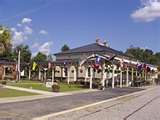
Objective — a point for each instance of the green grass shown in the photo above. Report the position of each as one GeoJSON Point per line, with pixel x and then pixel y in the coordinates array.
{"type": "Point", "coordinates": [64, 87]}
{"type": "Point", "coordinates": [37, 86]}
{"type": "Point", "coordinates": [4, 92]}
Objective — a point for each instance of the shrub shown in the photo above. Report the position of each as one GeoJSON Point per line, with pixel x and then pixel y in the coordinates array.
{"type": "Point", "coordinates": [3, 82]}
{"type": "Point", "coordinates": [55, 88]}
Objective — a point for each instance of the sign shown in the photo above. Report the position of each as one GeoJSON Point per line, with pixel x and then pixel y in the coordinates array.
{"type": "Point", "coordinates": [49, 84]}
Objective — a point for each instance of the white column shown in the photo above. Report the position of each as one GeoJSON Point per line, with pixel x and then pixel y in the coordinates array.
{"type": "Point", "coordinates": [113, 75]}
{"type": "Point", "coordinates": [75, 74]}
{"type": "Point", "coordinates": [29, 76]}
{"type": "Point", "coordinates": [68, 77]}
{"type": "Point", "coordinates": [121, 78]}
{"type": "Point", "coordinates": [39, 76]}
{"type": "Point", "coordinates": [86, 74]}
{"type": "Point", "coordinates": [91, 77]}
{"type": "Point", "coordinates": [45, 76]}
{"type": "Point", "coordinates": [127, 79]}
{"type": "Point", "coordinates": [132, 74]}
{"type": "Point", "coordinates": [52, 75]}
{"type": "Point", "coordinates": [104, 77]}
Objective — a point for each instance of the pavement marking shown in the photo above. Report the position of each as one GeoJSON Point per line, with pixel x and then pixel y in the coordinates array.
{"type": "Point", "coordinates": [46, 117]}
{"type": "Point", "coordinates": [155, 98]}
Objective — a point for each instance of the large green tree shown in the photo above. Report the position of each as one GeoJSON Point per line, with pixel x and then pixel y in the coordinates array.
{"type": "Point", "coordinates": [5, 41]}
{"type": "Point", "coordinates": [25, 53]}
{"type": "Point", "coordinates": [40, 57]}
{"type": "Point", "coordinates": [144, 55]}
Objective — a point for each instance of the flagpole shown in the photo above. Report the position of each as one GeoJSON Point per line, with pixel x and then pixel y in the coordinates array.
{"type": "Point", "coordinates": [19, 62]}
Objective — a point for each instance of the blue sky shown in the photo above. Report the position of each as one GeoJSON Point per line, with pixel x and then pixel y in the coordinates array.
{"type": "Point", "coordinates": [46, 25]}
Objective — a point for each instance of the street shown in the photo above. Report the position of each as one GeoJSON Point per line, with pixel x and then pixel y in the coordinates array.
{"type": "Point", "coordinates": [37, 108]}
{"type": "Point", "coordinates": [137, 107]}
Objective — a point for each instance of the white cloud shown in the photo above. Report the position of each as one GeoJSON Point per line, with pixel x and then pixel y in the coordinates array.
{"type": "Point", "coordinates": [18, 37]}
{"type": "Point", "coordinates": [28, 30]}
{"type": "Point", "coordinates": [26, 20]}
{"type": "Point", "coordinates": [149, 11]}
{"type": "Point", "coordinates": [22, 32]}
{"type": "Point", "coordinates": [35, 45]}
{"type": "Point", "coordinates": [19, 25]}
{"type": "Point", "coordinates": [45, 48]}
{"type": "Point", "coordinates": [43, 32]}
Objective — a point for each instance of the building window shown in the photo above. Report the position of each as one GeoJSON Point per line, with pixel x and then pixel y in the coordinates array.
{"type": "Point", "coordinates": [8, 71]}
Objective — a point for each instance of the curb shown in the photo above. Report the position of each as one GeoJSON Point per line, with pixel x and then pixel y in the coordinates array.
{"type": "Point", "coordinates": [46, 117]}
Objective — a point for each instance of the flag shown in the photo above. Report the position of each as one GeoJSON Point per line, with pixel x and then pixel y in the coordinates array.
{"type": "Point", "coordinates": [98, 59]}
{"type": "Point", "coordinates": [34, 66]}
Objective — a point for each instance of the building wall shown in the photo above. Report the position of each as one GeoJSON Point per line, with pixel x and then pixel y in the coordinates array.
{"type": "Point", "coordinates": [2, 70]}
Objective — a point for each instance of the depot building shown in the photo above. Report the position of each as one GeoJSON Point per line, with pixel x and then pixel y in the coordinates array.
{"type": "Point", "coordinates": [79, 64]}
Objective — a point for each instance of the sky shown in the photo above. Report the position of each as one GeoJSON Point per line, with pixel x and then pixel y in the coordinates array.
{"type": "Point", "coordinates": [46, 25]}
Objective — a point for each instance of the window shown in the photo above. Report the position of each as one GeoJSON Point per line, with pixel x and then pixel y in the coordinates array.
{"type": "Point", "coordinates": [8, 71]}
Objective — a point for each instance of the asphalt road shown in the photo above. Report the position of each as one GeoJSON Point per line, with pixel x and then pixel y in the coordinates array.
{"type": "Point", "coordinates": [145, 106]}
{"type": "Point", "coordinates": [36, 108]}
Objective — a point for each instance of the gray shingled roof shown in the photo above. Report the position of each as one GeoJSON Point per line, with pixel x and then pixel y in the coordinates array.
{"type": "Point", "coordinates": [94, 47]}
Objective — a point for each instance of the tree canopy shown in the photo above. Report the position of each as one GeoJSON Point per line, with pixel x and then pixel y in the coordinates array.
{"type": "Point", "coordinates": [25, 53]}
{"type": "Point", "coordinates": [5, 41]}
{"type": "Point", "coordinates": [65, 47]}
{"type": "Point", "coordinates": [144, 55]}
{"type": "Point", "coordinates": [40, 57]}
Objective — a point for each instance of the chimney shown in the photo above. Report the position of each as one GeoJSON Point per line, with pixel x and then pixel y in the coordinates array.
{"type": "Point", "coordinates": [105, 43]}
{"type": "Point", "coordinates": [97, 40]}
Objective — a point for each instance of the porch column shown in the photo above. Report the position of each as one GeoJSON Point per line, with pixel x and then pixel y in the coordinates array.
{"type": "Point", "coordinates": [113, 75]}
{"type": "Point", "coordinates": [29, 76]}
{"type": "Point", "coordinates": [132, 75]}
{"type": "Point", "coordinates": [61, 73]}
{"type": "Point", "coordinates": [39, 76]}
{"type": "Point", "coordinates": [75, 74]}
{"type": "Point", "coordinates": [104, 76]}
{"type": "Point", "coordinates": [86, 74]}
{"type": "Point", "coordinates": [127, 77]}
{"type": "Point", "coordinates": [53, 71]}
{"type": "Point", "coordinates": [68, 77]}
{"type": "Point", "coordinates": [121, 78]}
{"type": "Point", "coordinates": [45, 75]}
{"type": "Point", "coordinates": [91, 77]}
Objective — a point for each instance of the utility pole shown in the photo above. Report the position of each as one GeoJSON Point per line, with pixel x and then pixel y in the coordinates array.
{"type": "Point", "coordinates": [19, 64]}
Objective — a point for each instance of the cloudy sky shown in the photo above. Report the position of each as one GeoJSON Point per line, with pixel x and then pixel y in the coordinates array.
{"type": "Point", "coordinates": [46, 25]}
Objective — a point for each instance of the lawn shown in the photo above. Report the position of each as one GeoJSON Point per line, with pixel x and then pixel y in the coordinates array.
{"type": "Point", "coordinates": [64, 87]}
{"type": "Point", "coordinates": [4, 92]}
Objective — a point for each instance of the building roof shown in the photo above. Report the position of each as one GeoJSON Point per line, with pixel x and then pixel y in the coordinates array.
{"type": "Point", "coordinates": [94, 47]}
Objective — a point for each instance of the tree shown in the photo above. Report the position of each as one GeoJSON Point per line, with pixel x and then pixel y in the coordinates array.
{"type": "Point", "coordinates": [65, 47]}
{"type": "Point", "coordinates": [5, 41]}
{"type": "Point", "coordinates": [25, 53]}
{"type": "Point", "coordinates": [40, 57]}
{"type": "Point", "coordinates": [144, 55]}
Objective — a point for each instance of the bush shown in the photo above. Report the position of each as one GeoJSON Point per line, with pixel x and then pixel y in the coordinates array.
{"type": "Point", "coordinates": [55, 88]}
{"type": "Point", "coordinates": [3, 82]}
